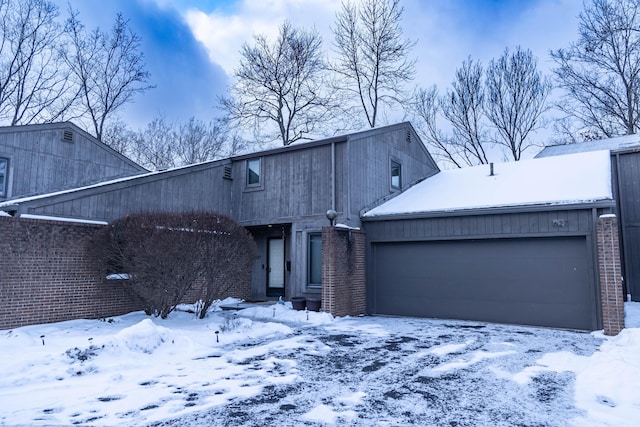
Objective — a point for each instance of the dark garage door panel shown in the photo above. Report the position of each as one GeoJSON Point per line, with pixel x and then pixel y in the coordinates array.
{"type": "Point", "coordinates": [535, 281]}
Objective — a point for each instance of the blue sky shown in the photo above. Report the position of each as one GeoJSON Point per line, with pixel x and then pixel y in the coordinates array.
{"type": "Point", "coordinates": [191, 46]}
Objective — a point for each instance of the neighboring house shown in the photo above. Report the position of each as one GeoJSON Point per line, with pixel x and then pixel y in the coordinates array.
{"type": "Point", "coordinates": [280, 195]}
{"type": "Point", "coordinates": [38, 159]}
{"type": "Point", "coordinates": [509, 243]}
{"type": "Point", "coordinates": [625, 177]}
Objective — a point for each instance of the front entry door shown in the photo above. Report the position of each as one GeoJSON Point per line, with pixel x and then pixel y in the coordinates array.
{"type": "Point", "coordinates": [275, 272]}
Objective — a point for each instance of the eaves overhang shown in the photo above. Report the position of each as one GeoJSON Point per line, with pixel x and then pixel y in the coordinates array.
{"type": "Point", "coordinates": [596, 204]}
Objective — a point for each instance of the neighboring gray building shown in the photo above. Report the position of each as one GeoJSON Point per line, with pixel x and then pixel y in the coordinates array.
{"type": "Point", "coordinates": [38, 159]}
{"type": "Point", "coordinates": [625, 177]}
{"type": "Point", "coordinates": [280, 195]}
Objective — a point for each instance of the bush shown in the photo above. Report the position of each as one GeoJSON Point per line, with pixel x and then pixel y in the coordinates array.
{"type": "Point", "coordinates": [168, 255]}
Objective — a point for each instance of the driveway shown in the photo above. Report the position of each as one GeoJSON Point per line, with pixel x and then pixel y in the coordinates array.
{"type": "Point", "coordinates": [401, 371]}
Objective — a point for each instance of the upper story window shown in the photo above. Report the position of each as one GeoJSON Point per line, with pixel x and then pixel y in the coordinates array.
{"type": "Point", "coordinates": [396, 175]}
{"type": "Point", "coordinates": [253, 172]}
{"type": "Point", "coordinates": [4, 176]}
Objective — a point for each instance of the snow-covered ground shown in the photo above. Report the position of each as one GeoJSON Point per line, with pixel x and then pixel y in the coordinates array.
{"type": "Point", "coordinates": [276, 366]}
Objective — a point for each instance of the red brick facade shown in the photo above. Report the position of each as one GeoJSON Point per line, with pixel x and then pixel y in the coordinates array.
{"type": "Point", "coordinates": [46, 276]}
{"type": "Point", "coordinates": [610, 274]}
{"type": "Point", "coordinates": [343, 271]}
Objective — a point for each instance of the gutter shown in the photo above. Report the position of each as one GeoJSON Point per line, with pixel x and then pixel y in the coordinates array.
{"type": "Point", "coordinates": [491, 210]}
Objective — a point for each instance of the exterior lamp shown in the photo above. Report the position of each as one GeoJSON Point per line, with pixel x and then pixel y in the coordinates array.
{"type": "Point", "coordinates": [331, 216]}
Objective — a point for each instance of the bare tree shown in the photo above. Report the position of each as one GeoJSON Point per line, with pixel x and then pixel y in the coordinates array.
{"type": "Point", "coordinates": [119, 136]}
{"type": "Point", "coordinates": [33, 84]}
{"type": "Point", "coordinates": [601, 71]}
{"type": "Point", "coordinates": [426, 106]}
{"type": "Point", "coordinates": [374, 58]}
{"type": "Point", "coordinates": [198, 141]}
{"type": "Point", "coordinates": [516, 99]}
{"type": "Point", "coordinates": [463, 106]}
{"type": "Point", "coordinates": [280, 84]}
{"type": "Point", "coordinates": [510, 100]}
{"type": "Point", "coordinates": [155, 147]}
{"type": "Point", "coordinates": [108, 68]}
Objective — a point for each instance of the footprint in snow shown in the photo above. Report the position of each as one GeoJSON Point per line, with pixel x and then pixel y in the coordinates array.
{"type": "Point", "coordinates": [604, 400]}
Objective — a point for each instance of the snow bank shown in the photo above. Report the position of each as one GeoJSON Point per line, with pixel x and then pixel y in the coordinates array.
{"type": "Point", "coordinates": [144, 337]}
{"type": "Point", "coordinates": [606, 385]}
{"type": "Point", "coordinates": [285, 313]}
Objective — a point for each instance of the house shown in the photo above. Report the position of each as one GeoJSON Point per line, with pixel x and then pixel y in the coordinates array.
{"type": "Point", "coordinates": [625, 178]}
{"type": "Point", "coordinates": [516, 243]}
{"type": "Point", "coordinates": [507, 243]}
{"type": "Point", "coordinates": [38, 159]}
{"type": "Point", "coordinates": [281, 196]}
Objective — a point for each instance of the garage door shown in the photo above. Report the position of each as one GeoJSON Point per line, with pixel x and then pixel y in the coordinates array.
{"type": "Point", "coordinates": [539, 281]}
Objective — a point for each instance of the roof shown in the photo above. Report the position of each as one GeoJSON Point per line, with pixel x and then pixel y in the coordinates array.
{"type": "Point", "coordinates": [619, 143]}
{"type": "Point", "coordinates": [161, 174]}
{"type": "Point", "coordinates": [559, 180]}
{"type": "Point", "coordinates": [158, 174]}
{"type": "Point", "coordinates": [334, 139]}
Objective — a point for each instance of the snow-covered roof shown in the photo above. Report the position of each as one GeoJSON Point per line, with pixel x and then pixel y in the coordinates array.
{"type": "Point", "coordinates": [612, 144]}
{"type": "Point", "coordinates": [568, 179]}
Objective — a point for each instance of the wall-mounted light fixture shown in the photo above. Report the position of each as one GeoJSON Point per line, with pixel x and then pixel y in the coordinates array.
{"type": "Point", "coordinates": [331, 216]}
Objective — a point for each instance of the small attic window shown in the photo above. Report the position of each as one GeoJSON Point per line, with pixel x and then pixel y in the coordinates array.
{"type": "Point", "coordinates": [396, 175]}
{"type": "Point", "coordinates": [67, 135]}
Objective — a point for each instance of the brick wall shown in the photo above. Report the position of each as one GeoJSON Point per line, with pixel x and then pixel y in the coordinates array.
{"type": "Point", "coordinates": [45, 275]}
{"type": "Point", "coordinates": [610, 274]}
{"type": "Point", "coordinates": [343, 271]}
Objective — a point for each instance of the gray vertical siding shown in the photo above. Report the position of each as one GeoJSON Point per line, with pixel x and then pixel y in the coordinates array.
{"type": "Point", "coordinates": [628, 180]}
{"type": "Point", "coordinates": [201, 187]}
{"type": "Point", "coordinates": [294, 184]}
{"type": "Point", "coordinates": [41, 162]}
{"type": "Point", "coordinates": [576, 222]}
{"type": "Point", "coordinates": [369, 164]}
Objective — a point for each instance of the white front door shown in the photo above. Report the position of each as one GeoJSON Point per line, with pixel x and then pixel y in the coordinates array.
{"type": "Point", "coordinates": [275, 277]}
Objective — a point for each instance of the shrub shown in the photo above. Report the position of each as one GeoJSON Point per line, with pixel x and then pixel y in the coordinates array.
{"type": "Point", "coordinates": [170, 255]}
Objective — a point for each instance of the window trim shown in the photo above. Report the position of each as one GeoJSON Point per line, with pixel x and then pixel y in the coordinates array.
{"type": "Point", "coordinates": [309, 284]}
{"type": "Point", "coordinates": [397, 163]}
{"type": "Point", "coordinates": [5, 182]}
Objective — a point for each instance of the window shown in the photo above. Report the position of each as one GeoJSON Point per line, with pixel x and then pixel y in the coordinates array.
{"type": "Point", "coordinates": [396, 175]}
{"type": "Point", "coordinates": [4, 176]}
{"type": "Point", "coordinates": [253, 172]}
{"type": "Point", "coordinates": [314, 260]}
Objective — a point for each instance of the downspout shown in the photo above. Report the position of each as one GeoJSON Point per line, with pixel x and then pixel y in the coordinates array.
{"type": "Point", "coordinates": [621, 236]}
{"type": "Point", "coordinates": [348, 174]}
{"type": "Point", "coordinates": [333, 176]}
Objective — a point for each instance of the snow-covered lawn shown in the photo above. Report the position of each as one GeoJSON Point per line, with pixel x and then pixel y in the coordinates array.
{"type": "Point", "coordinates": [277, 366]}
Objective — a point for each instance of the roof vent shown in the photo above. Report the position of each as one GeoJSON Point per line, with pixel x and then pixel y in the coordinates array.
{"type": "Point", "coordinates": [227, 173]}
{"type": "Point", "coordinates": [408, 136]}
{"type": "Point", "coordinates": [67, 135]}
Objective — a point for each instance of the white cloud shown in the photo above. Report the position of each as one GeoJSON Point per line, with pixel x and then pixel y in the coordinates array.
{"type": "Point", "coordinates": [223, 33]}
